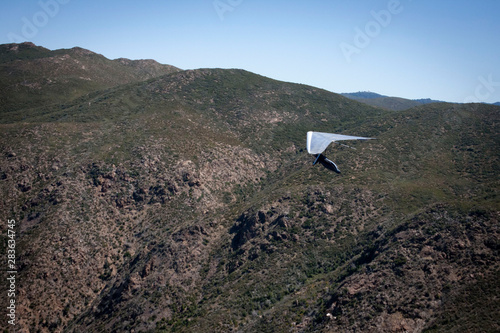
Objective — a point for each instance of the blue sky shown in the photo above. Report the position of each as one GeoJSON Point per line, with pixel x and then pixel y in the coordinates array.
{"type": "Point", "coordinates": [445, 49]}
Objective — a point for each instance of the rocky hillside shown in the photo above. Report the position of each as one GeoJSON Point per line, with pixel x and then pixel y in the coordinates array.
{"type": "Point", "coordinates": [187, 203]}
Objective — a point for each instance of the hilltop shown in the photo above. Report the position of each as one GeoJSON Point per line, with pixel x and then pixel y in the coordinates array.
{"type": "Point", "coordinates": [31, 76]}
{"type": "Point", "coordinates": [386, 102]}
{"type": "Point", "coordinates": [391, 103]}
{"type": "Point", "coordinates": [187, 202]}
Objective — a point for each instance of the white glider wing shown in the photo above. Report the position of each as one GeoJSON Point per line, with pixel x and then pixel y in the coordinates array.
{"type": "Point", "coordinates": [318, 141]}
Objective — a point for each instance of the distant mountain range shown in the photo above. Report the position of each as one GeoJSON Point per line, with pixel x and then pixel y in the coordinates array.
{"type": "Point", "coordinates": [148, 198]}
{"type": "Point", "coordinates": [386, 102]}
{"type": "Point", "coordinates": [390, 103]}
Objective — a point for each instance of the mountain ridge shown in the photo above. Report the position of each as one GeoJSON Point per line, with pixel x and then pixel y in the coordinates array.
{"type": "Point", "coordinates": [41, 77]}
{"type": "Point", "coordinates": [392, 103]}
{"type": "Point", "coordinates": [387, 102]}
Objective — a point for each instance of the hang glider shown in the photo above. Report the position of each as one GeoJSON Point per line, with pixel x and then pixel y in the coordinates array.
{"type": "Point", "coordinates": [317, 142]}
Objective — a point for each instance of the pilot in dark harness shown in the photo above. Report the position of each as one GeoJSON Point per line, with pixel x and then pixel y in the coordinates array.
{"type": "Point", "coordinates": [326, 163]}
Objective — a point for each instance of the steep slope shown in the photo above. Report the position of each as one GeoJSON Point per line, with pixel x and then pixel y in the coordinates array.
{"type": "Point", "coordinates": [188, 203]}
{"type": "Point", "coordinates": [31, 76]}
